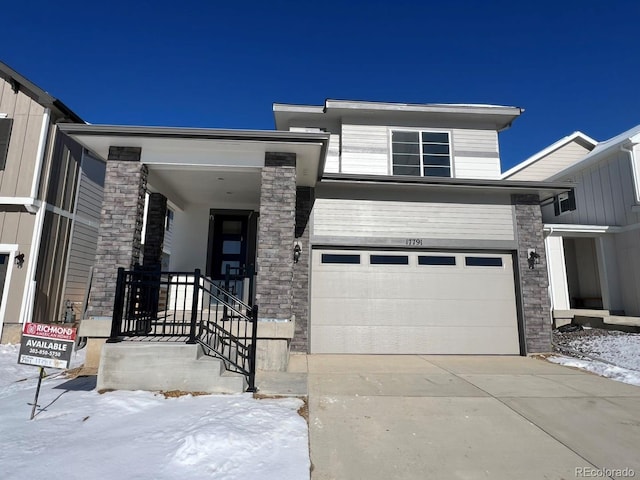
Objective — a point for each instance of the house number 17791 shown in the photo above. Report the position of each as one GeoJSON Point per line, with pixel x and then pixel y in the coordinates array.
{"type": "Point", "coordinates": [413, 242]}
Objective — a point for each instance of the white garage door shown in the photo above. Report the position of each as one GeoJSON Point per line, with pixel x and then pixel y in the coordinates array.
{"type": "Point", "coordinates": [413, 302]}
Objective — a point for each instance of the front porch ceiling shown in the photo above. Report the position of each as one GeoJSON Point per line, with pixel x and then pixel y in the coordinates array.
{"type": "Point", "coordinates": [206, 185]}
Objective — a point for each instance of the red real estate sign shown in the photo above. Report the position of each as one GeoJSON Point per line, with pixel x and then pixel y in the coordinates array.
{"type": "Point", "coordinates": [46, 345]}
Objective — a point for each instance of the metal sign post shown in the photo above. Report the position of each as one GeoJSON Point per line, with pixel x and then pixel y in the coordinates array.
{"type": "Point", "coordinates": [35, 400]}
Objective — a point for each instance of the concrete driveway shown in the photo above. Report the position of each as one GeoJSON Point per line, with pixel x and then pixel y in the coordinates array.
{"type": "Point", "coordinates": [463, 417]}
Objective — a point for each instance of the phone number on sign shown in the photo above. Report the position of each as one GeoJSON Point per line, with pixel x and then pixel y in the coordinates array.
{"type": "Point", "coordinates": [44, 353]}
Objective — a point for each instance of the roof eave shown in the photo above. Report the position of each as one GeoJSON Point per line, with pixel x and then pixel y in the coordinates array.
{"type": "Point", "coordinates": [546, 151]}
{"type": "Point", "coordinates": [39, 95]}
{"type": "Point", "coordinates": [544, 189]}
{"type": "Point", "coordinates": [203, 133]}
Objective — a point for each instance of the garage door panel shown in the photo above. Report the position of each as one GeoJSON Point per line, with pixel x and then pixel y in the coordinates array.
{"type": "Point", "coordinates": [413, 340]}
{"type": "Point", "coordinates": [413, 308]}
{"type": "Point", "coordinates": [413, 312]}
{"type": "Point", "coordinates": [412, 284]}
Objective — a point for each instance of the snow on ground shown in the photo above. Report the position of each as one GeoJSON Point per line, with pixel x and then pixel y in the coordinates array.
{"type": "Point", "coordinates": [603, 369]}
{"type": "Point", "coordinates": [618, 348]}
{"type": "Point", "coordinates": [79, 434]}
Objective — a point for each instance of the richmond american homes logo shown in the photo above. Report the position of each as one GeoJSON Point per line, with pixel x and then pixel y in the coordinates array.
{"type": "Point", "coordinates": [45, 345]}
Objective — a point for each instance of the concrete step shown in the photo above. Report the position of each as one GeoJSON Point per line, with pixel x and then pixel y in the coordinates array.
{"type": "Point", "coordinates": [157, 366]}
{"type": "Point", "coordinates": [623, 320]}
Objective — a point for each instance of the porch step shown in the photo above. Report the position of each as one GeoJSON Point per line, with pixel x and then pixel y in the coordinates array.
{"type": "Point", "coordinates": [157, 366]}
{"type": "Point", "coordinates": [580, 312]}
{"type": "Point", "coordinates": [623, 320]}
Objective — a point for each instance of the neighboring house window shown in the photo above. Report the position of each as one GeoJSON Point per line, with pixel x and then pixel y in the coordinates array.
{"type": "Point", "coordinates": [169, 220]}
{"type": "Point", "coordinates": [564, 202]}
{"type": "Point", "coordinates": [5, 134]}
{"type": "Point", "coordinates": [421, 153]}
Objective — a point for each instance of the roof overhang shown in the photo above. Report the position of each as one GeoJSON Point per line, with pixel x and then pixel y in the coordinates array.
{"type": "Point", "coordinates": [167, 147]}
{"type": "Point", "coordinates": [497, 116]}
{"type": "Point", "coordinates": [38, 94]}
{"type": "Point", "coordinates": [603, 150]}
{"type": "Point", "coordinates": [575, 136]}
{"type": "Point", "coordinates": [544, 190]}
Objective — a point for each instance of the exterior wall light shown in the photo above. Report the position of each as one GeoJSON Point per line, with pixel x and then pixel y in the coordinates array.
{"type": "Point", "coordinates": [533, 258]}
{"type": "Point", "coordinates": [19, 260]}
{"type": "Point", "coordinates": [297, 251]}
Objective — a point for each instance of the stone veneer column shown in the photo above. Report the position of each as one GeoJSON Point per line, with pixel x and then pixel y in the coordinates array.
{"type": "Point", "coordinates": [534, 282]}
{"type": "Point", "coordinates": [154, 232]}
{"type": "Point", "coordinates": [276, 237]}
{"type": "Point", "coordinates": [120, 225]}
{"type": "Point", "coordinates": [304, 204]}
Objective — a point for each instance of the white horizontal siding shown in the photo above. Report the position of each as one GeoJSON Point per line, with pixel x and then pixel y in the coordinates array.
{"type": "Point", "coordinates": [475, 154]}
{"type": "Point", "coordinates": [375, 218]}
{"type": "Point", "coordinates": [82, 254]}
{"type": "Point", "coordinates": [551, 164]}
{"type": "Point", "coordinates": [467, 140]}
{"type": "Point", "coordinates": [332, 164]}
{"type": "Point", "coordinates": [365, 149]}
{"type": "Point", "coordinates": [476, 167]}
{"type": "Point", "coordinates": [84, 237]}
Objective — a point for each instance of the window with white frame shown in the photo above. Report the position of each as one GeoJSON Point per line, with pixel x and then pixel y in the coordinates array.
{"type": "Point", "coordinates": [421, 153]}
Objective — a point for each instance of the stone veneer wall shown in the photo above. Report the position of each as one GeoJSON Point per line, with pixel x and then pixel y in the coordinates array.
{"type": "Point", "coordinates": [276, 237]}
{"type": "Point", "coordinates": [154, 232]}
{"type": "Point", "coordinates": [534, 283]}
{"type": "Point", "coordinates": [120, 225]}
{"type": "Point", "coordinates": [304, 204]}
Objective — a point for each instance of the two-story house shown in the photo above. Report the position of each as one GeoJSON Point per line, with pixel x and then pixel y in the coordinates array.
{"type": "Point", "coordinates": [50, 199]}
{"type": "Point", "coordinates": [371, 228]}
{"type": "Point", "coordinates": [592, 233]}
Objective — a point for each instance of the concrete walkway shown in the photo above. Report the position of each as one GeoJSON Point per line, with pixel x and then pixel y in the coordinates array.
{"type": "Point", "coordinates": [455, 417]}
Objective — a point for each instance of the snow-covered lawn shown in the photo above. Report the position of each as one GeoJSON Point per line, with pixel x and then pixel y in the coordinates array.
{"type": "Point", "coordinates": [81, 434]}
{"type": "Point", "coordinates": [620, 352]}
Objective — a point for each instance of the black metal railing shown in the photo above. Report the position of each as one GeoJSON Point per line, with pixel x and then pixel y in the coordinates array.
{"type": "Point", "coordinates": [189, 307]}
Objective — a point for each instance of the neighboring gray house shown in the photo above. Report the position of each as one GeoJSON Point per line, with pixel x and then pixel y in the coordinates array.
{"type": "Point", "coordinates": [374, 228]}
{"type": "Point", "coordinates": [593, 235]}
{"type": "Point", "coordinates": [50, 198]}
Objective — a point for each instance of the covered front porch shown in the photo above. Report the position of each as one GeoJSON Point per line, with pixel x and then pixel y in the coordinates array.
{"type": "Point", "coordinates": [584, 276]}
{"type": "Point", "coordinates": [239, 203]}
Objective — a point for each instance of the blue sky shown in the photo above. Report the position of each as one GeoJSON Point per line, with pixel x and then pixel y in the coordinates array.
{"type": "Point", "coordinates": [573, 65]}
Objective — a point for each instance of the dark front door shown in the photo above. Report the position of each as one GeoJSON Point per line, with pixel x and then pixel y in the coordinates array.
{"type": "Point", "coordinates": [229, 245]}
{"type": "Point", "coordinates": [229, 252]}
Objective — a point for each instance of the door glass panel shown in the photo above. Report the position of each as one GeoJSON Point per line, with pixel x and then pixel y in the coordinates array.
{"type": "Point", "coordinates": [232, 227]}
{"type": "Point", "coordinates": [231, 246]}
{"type": "Point", "coordinates": [233, 264]}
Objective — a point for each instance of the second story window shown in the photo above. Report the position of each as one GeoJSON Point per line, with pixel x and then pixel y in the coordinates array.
{"type": "Point", "coordinates": [421, 153]}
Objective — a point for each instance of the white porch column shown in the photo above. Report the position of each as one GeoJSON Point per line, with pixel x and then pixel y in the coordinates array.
{"type": "Point", "coordinates": [608, 271]}
{"type": "Point", "coordinates": [557, 273]}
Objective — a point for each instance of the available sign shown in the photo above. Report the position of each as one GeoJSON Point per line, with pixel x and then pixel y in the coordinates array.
{"type": "Point", "coordinates": [46, 345]}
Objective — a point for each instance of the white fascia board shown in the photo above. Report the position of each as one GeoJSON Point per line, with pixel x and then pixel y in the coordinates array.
{"type": "Point", "coordinates": [550, 149]}
{"type": "Point", "coordinates": [286, 107]}
{"type": "Point", "coordinates": [424, 107]}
